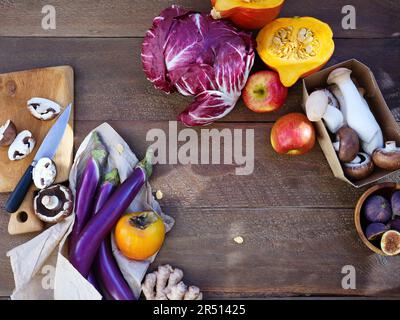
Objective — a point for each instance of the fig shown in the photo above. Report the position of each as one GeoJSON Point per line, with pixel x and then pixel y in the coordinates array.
{"type": "Point", "coordinates": [395, 224]}
{"type": "Point", "coordinates": [390, 243]}
{"type": "Point", "coordinates": [377, 209]}
{"type": "Point", "coordinates": [395, 201]}
{"type": "Point", "coordinates": [375, 231]}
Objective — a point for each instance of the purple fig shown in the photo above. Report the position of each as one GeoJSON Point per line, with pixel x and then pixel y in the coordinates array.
{"type": "Point", "coordinates": [390, 243]}
{"type": "Point", "coordinates": [395, 200]}
{"type": "Point", "coordinates": [375, 231]}
{"type": "Point", "coordinates": [395, 224]}
{"type": "Point", "coordinates": [377, 209]}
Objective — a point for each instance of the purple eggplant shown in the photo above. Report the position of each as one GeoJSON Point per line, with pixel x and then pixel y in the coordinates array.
{"type": "Point", "coordinates": [105, 267]}
{"type": "Point", "coordinates": [82, 255]}
{"type": "Point", "coordinates": [87, 187]}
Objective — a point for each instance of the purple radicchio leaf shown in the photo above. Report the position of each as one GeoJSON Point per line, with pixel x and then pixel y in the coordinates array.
{"type": "Point", "coordinates": [205, 58]}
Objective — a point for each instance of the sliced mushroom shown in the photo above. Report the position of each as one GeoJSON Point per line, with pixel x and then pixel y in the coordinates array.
{"type": "Point", "coordinates": [44, 173]}
{"type": "Point", "coordinates": [319, 107]}
{"type": "Point", "coordinates": [43, 109]}
{"type": "Point", "coordinates": [387, 158]}
{"type": "Point", "coordinates": [360, 168]}
{"type": "Point", "coordinates": [22, 146]}
{"type": "Point", "coordinates": [53, 204]}
{"type": "Point", "coordinates": [8, 132]}
{"type": "Point", "coordinates": [347, 144]}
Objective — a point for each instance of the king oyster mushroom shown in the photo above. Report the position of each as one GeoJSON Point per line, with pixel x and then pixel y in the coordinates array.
{"type": "Point", "coordinates": [347, 144]}
{"type": "Point", "coordinates": [8, 132]}
{"type": "Point", "coordinates": [53, 204]}
{"type": "Point", "coordinates": [355, 110]}
{"type": "Point", "coordinates": [320, 106]}
{"type": "Point", "coordinates": [43, 109]}
{"type": "Point", "coordinates": [22, 146]}
{"type": "Point", "coordinates": [44, 173]}
{"type": "Point", "coordinates": [387, 158]}
{"type": "Point", "coordinates": [360, 168]}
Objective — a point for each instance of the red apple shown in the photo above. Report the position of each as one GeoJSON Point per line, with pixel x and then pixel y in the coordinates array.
{"type": "Point", "coordinates": [293, 134]}
{"type": "Point", "coordinates": [264, 92]}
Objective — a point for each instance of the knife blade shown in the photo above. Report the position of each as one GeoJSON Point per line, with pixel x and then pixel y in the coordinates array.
{"type": "Point", "coordinates": [47, 149]}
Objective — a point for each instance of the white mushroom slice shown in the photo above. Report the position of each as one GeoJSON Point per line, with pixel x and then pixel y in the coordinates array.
{"type": "Point", "coordinates": [22, 146]}
{"type": "Point", "coordinates": [8, 132]}
{"type": "Point", "coordinates": [44, 173]}
{"type": "Point", "coordinates": [53, 204]}
{"type": "Point", "coordinates": [43, 109]}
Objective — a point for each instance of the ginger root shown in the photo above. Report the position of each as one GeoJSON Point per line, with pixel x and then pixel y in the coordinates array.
{"type": "Point", "coordinates": [166, 284]}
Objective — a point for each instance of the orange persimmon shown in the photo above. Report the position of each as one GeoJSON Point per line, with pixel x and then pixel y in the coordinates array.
{"type": "Point", "coordinates": [247, 14]}
{"type": "Point", "coordinates": [140, 235]}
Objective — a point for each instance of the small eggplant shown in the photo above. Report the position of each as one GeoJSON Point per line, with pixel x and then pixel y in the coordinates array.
{"type": "Point", "coordinates": [105, 266]}
{"type": "Point", "coordinates": [375, 230]}
{"type": "Point", "coordinates": [87, 187]}
{"type": "Point", "coordinates": [377, 209]}
{"type": "Point", "coordinates": [395, 202]}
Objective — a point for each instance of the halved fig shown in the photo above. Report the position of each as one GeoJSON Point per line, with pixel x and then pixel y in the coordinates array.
{"type": "Point", "coordinates": [375, 230]}
{"type": "Point", "coordinates": [390, 243]}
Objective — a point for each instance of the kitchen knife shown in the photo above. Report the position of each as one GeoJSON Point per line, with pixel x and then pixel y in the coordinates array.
{"type": "Point", "coordinates": [47, 149]}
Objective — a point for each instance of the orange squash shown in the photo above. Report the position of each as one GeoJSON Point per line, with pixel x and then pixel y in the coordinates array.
{"type": "Point", "coordinates": [295, 47]}
{"type": "Point", "coordinates": [247, 14]}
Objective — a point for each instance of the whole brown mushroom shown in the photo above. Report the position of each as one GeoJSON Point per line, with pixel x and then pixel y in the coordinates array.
{"type": "Point", "coordinates": [8, 132]}
{"type": "Point", "coordinates": [347, 144]}
{"type": "Point", "coordinates": [53, 204]}
{"type": "Point", "coordinates": [360, 168]}
{"type": "Point", "coordinates": [387, 158]}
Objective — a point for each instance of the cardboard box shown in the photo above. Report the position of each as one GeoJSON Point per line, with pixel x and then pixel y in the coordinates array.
{"type": "Point", "coordinates": [366, 79]}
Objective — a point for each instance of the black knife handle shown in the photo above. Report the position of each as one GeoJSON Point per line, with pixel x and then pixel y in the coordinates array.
{"type": "Point", "coordinates": [20, 191]}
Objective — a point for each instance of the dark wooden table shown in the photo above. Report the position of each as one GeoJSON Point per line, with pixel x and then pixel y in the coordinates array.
{"type": "Point", "coordinates": [295, 217]}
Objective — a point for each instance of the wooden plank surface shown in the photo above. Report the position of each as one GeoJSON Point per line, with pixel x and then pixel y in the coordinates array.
{"type": "Point", "coordinates": [295, 218]}
{"type": "Point", "coordinates": [131, 18]}
{"type": "Point", "coordinates": [112, 86]}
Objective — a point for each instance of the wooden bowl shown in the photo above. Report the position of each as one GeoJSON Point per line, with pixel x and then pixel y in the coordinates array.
{"type": "Point", "coordinates": [383, 189]}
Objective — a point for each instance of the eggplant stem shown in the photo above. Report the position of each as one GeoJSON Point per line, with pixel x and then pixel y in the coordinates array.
{"type": "Point", "coordinates": [147, 163]}
{"type": "Point", "coordinates": [112, 177]}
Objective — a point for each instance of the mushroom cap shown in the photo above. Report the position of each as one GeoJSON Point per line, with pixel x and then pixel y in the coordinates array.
{"type": "Point", "coordinates": [316, 105]}
{"type": "Point", "coordinates": [61, 210]}
{"type": "Point", "coordinates": [360, 170]}
{"type": "Point", "coordinates": [337, 73]}
{"type": "Point", "coordinates": [349, 144]}
{"type": "Point", "coordinates": [8, 132]}
{"type": "Point", "coordinates": [387, 158]}
{"type": "Point", "coordinates": [44, 173]}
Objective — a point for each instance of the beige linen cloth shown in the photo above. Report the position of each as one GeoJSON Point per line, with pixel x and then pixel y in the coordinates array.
{"type": "Point", "coordinates": [41, 267]}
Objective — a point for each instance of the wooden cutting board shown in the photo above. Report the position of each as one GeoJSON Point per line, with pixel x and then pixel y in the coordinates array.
{"type": "Point", "coordinates": [16, 88]}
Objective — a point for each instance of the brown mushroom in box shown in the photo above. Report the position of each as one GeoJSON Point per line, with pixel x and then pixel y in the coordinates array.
{"type": "Point", "coordinates": [44, 173]}
{"type": "Point", "coordinates": [347, 144]}
{"type": "Point", "coordinates": [22, 146]}
{"type": "Point", "coordinates": [360, 168]}
{"type": "Point", "coordinates": [8, 132]}
{"type": "Point", "coordinates": [387, 158]}
{"type": "Point", "coordinates": [53, 204]}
